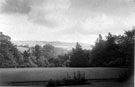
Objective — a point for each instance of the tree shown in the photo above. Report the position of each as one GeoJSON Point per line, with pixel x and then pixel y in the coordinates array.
{"type": "Point", "coordinates": [115, 51]}
{"type": "Point", "coordinates": [127, 47]}
{"type": "Point", "coordinates": [98, 52]}
{"type": "Point", "coordinates": [33, 61]}
{"type": "Point", "coordinates": [26, 56]}
{"type": "Point", "coordinates": [78, 57]}
{"type": "Point", "coordinates": [10, 56]}
{"type": "Point", "coordinates": [64, 60]}
{"type": "Point", "coordinates": [48, 51]}
{"type": "Point", "coordinates": [42, 62]}
{"type": "Point", "coordinates": [37, 51]}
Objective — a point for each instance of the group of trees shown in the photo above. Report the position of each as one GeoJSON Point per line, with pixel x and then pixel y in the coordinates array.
{"type": "Point", "coordinates": [113, 51]}
{"type": "Point", "coordinates": [79, 57]}
{"type": "Point", "coordinates": [46, 56]}
{"type": "Point", "coordinates": [37, 56]}
{"type": "Point", "coordinates": [9, 55]}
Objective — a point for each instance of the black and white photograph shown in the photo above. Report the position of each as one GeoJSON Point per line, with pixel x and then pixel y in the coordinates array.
{"type": "Point", "coordinates": [67, 43]}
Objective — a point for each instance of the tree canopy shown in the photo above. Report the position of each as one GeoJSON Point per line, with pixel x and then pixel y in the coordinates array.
{"type": "Point", "coordinates": [113, 51]}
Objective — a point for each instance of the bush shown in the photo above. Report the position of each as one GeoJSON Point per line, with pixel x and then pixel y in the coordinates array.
{"type": "Point", "coordinates": [78, 79]}
{"type": "Point", "coordinates": [124, 76]}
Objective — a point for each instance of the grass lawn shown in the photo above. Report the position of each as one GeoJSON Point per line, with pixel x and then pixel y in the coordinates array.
{"type": "Point", "coordinates": [44, 74]}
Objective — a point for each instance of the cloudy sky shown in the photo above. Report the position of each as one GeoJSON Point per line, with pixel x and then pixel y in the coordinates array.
{"type": "Point", "coordinates": [65, 20]}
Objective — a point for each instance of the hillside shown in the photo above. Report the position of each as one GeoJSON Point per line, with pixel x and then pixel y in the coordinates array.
{"type": "Point", "coordinates": [65, 45]}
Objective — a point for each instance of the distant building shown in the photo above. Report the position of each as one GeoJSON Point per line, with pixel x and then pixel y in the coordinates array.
{"type": "Point", "coordinates": [4, 37]}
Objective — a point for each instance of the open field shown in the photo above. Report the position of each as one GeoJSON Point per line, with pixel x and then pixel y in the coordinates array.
{"type": "Point", "coordinates": [44, 74]}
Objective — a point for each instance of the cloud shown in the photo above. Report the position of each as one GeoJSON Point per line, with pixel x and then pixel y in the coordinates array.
{"type": "Point", "coordinates": [70, 20]}
{"type": "Point", "coordinates": [57, 4]}
{"type": "Point", "coordinates": [37, 16]}
{"type": "Point", "coordinates": [49, 12]}
{"type": "Point", "coordinates": [16, 6]}
{"type": "Point", "coordinates": [100, 24]}
{"type": "Point", "coordinates": [117, 7]}
{"type": "Point", "coordinates": [37, 11]}
{"type": "Point", "coordinates": [130, 20]}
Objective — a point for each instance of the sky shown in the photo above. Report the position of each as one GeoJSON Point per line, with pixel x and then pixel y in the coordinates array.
{"type": "Point", "coordinates": [65, 20]}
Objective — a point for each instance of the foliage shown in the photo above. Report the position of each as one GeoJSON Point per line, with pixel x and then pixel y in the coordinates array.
{"type": "Point", "coordinates": [79, 57]}
{"type": "Point", "coordinates": [79, 79]}
{"type": "Point", "coordinates": [9, 55]}
{"type": "Point", "coordinates": [125, 76]}
{"type": "Point", "coordinates": [37, 51]}
{"type": "Point", "coordinates": [115, 51]}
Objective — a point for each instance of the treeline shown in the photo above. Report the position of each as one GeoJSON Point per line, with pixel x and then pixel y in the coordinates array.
{"type": "Point", "coordinates": [113, 51]}
{"type": "Point", "coordinates": [46, 56]}
{"type": "Point", "coordinates": [37, 56]}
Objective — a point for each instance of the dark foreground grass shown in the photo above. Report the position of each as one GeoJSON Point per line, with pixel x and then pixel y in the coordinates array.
{"type": "Point", "coordinates": [78, 79]}
{"type": "Point", "coordinates": [125, 76]}
{"type": "Point", "coordinates": [43, 76]}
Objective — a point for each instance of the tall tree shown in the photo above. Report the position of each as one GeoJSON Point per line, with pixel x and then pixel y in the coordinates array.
{"type": "Point", "coordinates": [78, 57]}
{"type": "Point", "coordinates": [37, 51]}
{"type": "Point", "coordinates": [10, 56]}
{"type": "Point", "coordinates": [115, 51]}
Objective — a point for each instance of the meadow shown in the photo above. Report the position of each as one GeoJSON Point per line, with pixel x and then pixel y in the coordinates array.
{"type": "Point", "coordinates": [44, 74]}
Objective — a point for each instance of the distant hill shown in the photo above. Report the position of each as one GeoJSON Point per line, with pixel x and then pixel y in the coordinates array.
{"type": "Point", "coordinates": [22, 49]}
{"type": "Point", "coordinates": [55, 51]}
{"type": "Point", "coordinates": [64, 45]}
